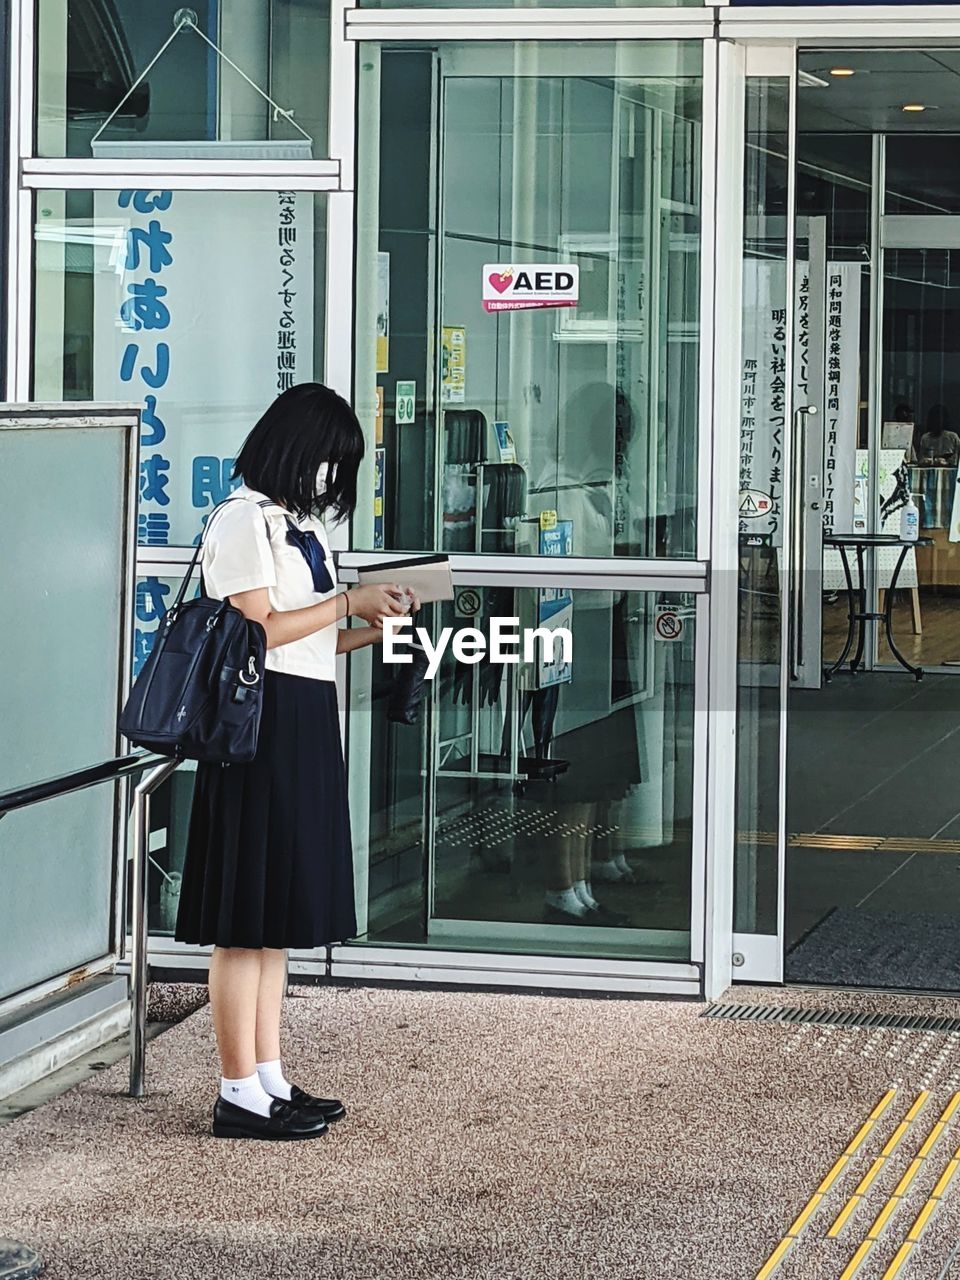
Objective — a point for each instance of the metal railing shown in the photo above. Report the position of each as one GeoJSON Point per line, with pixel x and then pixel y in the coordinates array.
{"type": "Point", "coordinates": [160, 768]}
{"type": "Point", "coordinates": [139, 926]}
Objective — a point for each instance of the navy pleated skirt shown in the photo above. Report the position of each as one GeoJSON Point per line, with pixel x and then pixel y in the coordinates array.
{"type": "Point", "coordinates": [269, 861]}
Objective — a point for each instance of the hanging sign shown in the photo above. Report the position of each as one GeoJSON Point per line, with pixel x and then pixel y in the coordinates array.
{"type": "Point", "coordinates": [529, 286]}
{"type": "Point", "coordinates": [765, 396]}
{"type": "Point", "coordinates": [173, 307]}
{"type": "Point", "coordinates": [841, 394]}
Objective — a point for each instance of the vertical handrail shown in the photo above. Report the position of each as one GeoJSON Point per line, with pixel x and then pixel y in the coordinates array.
{"type": "Point", "coordinates": [139, 924]}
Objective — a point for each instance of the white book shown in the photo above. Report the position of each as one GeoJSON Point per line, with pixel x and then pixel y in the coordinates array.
{"type": "Point", "coordinates": [428, 576]}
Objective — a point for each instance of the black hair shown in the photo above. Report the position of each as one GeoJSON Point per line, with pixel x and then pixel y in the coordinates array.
{"type": "Point", "coordinates": [938, 420]}
{"type": "Point", "coordinates": [306, 426]}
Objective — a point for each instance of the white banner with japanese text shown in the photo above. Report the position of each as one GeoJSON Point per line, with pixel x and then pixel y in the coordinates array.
{"type": "Point", "coordinates": [764, 402]}
{"type": "Point", "coordinates": [203, 313]}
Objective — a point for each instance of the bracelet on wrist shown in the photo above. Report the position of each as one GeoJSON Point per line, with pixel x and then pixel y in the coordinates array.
{"type": "Point", "coordinates": [346, 601]}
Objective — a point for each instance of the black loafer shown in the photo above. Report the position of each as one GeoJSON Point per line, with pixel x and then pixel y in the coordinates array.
{"type": "Point", "coordinates": [601, 915]}
{"type": "Point", "coordinates": [329, 1109]}
{"type": "Point", "coordinates": [285, 1123]}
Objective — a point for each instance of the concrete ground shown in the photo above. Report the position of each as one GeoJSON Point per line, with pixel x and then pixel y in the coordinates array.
{"type": "Point", "coordinates": [512, 1137]}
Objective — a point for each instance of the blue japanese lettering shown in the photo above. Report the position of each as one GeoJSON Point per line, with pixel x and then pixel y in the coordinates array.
{"type": "Point", "coordinates": [155, 378]}
{"type": "Point", "coordinates": [151, 599]}
{"type": "Point", "coordinates": [144, 308]}
{"type": "Point", "coordinates": [142, 644]}
{"type": "Point", "coordinates": [153, 529]}
{"type": "Point", "coordinates": [145, 201]}
{"type": "Point", "coordinates": [154, 480]}
{"type": "Point", "coordinates": [211, 480]}
{"type": "Point", "coordinates": [150, 418]}
{"type": "Point", "coordinates": [154, 239]}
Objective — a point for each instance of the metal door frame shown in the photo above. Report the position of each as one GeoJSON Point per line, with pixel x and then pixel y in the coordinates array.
{"type": "Point", "coordinates": [772, 39]}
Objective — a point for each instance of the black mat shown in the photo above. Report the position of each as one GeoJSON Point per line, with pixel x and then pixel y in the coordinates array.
{"type": "Point", "coordinates": [858, 948]}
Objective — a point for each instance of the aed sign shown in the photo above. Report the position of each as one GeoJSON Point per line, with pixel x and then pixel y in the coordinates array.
{"type": "Point", "coordinates": [529, 286]}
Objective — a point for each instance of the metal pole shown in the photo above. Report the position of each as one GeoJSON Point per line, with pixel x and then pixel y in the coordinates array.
{"type": "Point", "coordinates": [140, 842]}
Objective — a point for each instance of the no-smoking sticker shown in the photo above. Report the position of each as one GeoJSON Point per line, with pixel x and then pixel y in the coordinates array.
{"type": "Point", "coordinates": [467, 603]}
{"type": "Point", "coordinates": [668, 625]}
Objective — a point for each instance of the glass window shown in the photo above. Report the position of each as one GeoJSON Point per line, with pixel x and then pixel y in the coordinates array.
{"type": "Point", "coordinates": [170, 806]}
{"type": "Point", "coordinates": [473, 829]}
{"type": "Point", "coordinates": [763, 408]}
{"type": "Point", "coordinates": [113, 80]}
{"type": "Point", "coordinates": [61, 509]}
{"type": "Point", "coordinates": [199, 306]}
{"type": "Point", "coordinates": [528, 296]}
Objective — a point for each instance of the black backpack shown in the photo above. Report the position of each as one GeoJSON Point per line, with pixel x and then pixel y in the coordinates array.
{"type": "Point", "coordinates": [199, 694]}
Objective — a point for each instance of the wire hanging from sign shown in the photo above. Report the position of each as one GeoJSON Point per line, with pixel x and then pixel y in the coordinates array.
{"type": "Point", "coordinates": [187, 20]}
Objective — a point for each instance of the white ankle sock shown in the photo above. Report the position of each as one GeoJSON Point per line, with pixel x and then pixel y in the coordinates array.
{"type": "Point", "coordinates": [582, 890]}
{"type": "Point", "coordinates": [566, 900]}
{"type": "Point", "coordinates": [248, 1093]}
{"type": "Point", "coordinates": [621, 861]}
{"type": "Point", "coordinates": [273, 1080]}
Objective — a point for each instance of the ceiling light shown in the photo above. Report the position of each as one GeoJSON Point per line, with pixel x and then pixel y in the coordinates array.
{"type": "Point", "coordinates": [913, 106]}
{"type": "Point", "coordinates": [842, 71]}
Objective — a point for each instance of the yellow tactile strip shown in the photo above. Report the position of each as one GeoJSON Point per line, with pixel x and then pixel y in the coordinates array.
{"type": "Point", "coordinates": [925, 1214]}
{"type": "Point", "coordinates": [868, 1179]}
{"type": "Point", "coordinates": [881, 1222]}
{"type": "Point", "coordinates": [863, 843]}
{"type": "Point", "coordinates": [810, 1208]}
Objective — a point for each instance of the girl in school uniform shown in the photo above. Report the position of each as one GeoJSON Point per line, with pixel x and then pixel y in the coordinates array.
{"type": "Point", "coordinates": [269, 863]}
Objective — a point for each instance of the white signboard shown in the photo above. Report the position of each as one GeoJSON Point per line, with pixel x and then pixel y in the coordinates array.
{"type": "Point", "coordinates": [841, 413]}
{"type": "Point", "coordinates": [203, 315]}
{"type": "Point", "coordinates": [529, 286]}
{"type": "Point", "coordinates": [765, 399]}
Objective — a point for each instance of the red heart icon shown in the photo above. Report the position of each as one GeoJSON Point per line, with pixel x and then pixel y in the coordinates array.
{"type": "Point", "coordinates": [501, 282]}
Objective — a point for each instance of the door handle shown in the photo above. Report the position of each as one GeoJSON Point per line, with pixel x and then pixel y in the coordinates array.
{"type": "Point", "coordinates": [798, 496]}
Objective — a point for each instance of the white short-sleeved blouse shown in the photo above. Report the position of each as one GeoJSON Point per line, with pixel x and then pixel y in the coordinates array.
{"type": "Point", "coordinates": [247, 548]}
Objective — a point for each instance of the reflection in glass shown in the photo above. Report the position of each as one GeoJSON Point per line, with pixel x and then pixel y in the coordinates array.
{"type": "Point", "coordinates": [99, 95]}
{"type": "Point", "coordinates": [170, 806]}
{"type": "Point", "coordinates": [197, 306]}
{"type": "Point", "coordinates": [530, 791]}
{"type": "Point", "coordinates": [921, 411]}
{"type": "Point", "coordinates": [761, 530]}
{"type": "Point", "coordinates": [586, 157]}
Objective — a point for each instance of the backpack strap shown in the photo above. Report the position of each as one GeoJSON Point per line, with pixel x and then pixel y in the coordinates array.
{"type": "Point", "coordinates": [199, 548]}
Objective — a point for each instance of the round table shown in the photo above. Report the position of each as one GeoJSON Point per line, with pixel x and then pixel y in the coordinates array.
{"type": "Point", "coordinates": [857, 613]}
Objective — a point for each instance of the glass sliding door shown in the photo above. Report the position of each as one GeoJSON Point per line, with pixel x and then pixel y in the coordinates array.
{"type": "Point", "coordinates": [764, 501]}
{"type": "Point", "coordinates": [531, 155]}
{"type": "Point", "coordinates": [528, 349]}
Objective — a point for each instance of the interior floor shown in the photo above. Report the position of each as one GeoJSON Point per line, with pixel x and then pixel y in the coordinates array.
{"type": "Point", "coordinates": [873, 864]}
